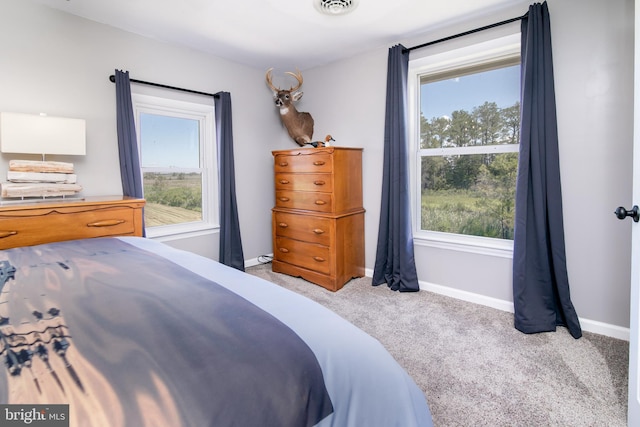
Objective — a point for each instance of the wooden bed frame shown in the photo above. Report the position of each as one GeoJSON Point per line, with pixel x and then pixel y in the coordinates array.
{"type": "Point", "coordinates": [43, 221]}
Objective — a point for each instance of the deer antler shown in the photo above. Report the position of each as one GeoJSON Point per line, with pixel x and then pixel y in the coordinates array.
{"type": "Point", "coordinates": [269, 80]}
{"type": "Point", "coordinates": [298, 76]}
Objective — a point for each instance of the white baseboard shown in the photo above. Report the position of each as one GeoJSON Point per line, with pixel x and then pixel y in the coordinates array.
{"type": "Point", "coordinates": [587, 325]}
{"type": "Point", "coordinates": [607, 329]}
{"type": "Point", "coordinates": [254, 261]}
{"type": "Point", "coordinates": [250, 262]}
{"type": "Point", "coordinates": [468, 296]}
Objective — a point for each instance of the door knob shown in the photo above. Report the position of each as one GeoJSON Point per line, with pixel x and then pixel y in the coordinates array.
{"type": "Point", "coordinates": [634, 213]}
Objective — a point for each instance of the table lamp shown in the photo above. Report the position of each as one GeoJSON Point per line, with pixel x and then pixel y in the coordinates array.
{"type": "Point", "coordinates": [42, 135]}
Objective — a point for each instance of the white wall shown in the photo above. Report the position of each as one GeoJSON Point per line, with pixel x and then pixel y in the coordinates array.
{"type": "Point", "coordinates": [59, 64]}
{"type": "Point", "coordinates": [594, 93]}
{"type": "Point", "coordinates": [593, 62]}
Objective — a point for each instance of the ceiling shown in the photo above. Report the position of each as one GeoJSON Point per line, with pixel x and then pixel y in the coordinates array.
{"type": "Point", "coordinates": [278, 33]}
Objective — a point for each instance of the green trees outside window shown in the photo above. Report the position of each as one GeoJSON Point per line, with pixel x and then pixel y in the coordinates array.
{"type": "Point", "coordinates": [469, 162]}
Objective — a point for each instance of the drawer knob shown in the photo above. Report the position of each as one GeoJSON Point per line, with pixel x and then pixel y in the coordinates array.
{"type": "Point", "coordinates": [284, 181]}
{"type": "Point", "coordinates": [283, 164]}
{"type": "Point", "coordinates": [320, 202]}
{"type": "Point", "coordinates": [319, 182]}
{"type": "Point", "coordinates": [4, 234]}
{"type": "Point", "coordinates": [319, 259]}
{"type": "Point", "coordinates": [284, 199]}
{"type": "Point", "coordinates": [106, 223]}
{"type": "Point", "coordinates": [283, 225]}
{"type": "Point", "coordinates": [284, 250]}
{"type": "Point", "coordinates": [318, 231]}
{"type": "Point", "coordinates": [319, 163]}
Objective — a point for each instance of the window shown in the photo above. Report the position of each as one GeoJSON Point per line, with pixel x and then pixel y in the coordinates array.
{"type": "Point", "coordinates": [466, 115]}
{"type": "Point", "coordinates": [176, 145]}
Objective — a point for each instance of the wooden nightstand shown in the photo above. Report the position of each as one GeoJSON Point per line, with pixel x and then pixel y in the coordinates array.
{"type": "Point", "coordinates": [32, 223]}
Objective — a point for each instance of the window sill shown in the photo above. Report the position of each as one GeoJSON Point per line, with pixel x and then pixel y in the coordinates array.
{"type": "Point", "coordinates": [471, 244]}
{"type": "Point", "coordinates": [162, 234]}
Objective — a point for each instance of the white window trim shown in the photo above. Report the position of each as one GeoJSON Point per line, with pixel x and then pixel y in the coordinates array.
{"type": "Point", "coordinates": [204, 113]}
{"type": "Point", "coordinates": [489, 51]}
{"type": "Point", "coordinates": [473, 149]}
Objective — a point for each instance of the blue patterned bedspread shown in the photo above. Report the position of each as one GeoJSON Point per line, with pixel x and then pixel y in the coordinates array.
{"type": "Point", "coordinates": [125, 335]}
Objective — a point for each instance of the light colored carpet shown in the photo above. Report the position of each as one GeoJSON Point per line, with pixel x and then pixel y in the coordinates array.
{"type": "Point", "coordinates": [475, 368]}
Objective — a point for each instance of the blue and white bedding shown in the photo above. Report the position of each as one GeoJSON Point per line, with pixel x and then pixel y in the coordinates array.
{"type": "Point", "coordinates": [131, 332]}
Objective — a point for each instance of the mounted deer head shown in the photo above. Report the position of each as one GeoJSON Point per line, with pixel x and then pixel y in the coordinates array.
{"type": "Point", "coordinates": [299, 125]}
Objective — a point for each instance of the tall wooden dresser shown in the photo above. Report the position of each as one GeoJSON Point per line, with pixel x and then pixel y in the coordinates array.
{"type": "Point", "coordinates": [318, 219]}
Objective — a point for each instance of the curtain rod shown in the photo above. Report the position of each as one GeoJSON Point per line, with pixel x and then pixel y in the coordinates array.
{"type": "Point", "coordinates": [112, 78]}
{"type": "Point", "coordinates": [466, 33]}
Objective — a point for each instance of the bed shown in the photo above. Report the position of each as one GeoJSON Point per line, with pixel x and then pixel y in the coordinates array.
{"type": "Point", "coordinates": [128, 331]}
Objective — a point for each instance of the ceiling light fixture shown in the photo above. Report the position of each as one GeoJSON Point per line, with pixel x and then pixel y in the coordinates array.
{"type": "Point", "coordinates": [335, 7]}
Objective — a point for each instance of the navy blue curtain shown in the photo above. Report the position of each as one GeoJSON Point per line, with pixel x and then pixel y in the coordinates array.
{"type": "Point", "coordinates": [127, 141]}
{"type": "Point", "coordinates": [395, 262]}
{"type": "Point", "coordinates": [540, 281]}
{"type": "Point", "coordinates": [230, 242]}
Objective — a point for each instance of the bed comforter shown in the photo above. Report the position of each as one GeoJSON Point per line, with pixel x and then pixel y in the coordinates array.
{"type": "Point", "coordinates": [131, 332]}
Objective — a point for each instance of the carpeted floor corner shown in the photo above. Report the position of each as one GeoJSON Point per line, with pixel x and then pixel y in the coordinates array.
{"type": "Point", "coordinates": [475, 368]}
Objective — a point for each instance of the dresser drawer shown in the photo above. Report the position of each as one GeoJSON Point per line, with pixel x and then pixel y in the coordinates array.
{"type": "Point", "coordinates": [313, 162]}
{"type": "Point", "coordinates": [43, 226]}
{"type": "Point", "coordinates": [303, 227]}
{"type": "Point", "coordinates": [309, 201]}
{"type": "Point", "coordinates": [307, 255]}
{"type": "Point", "coordinates": [305, 182]}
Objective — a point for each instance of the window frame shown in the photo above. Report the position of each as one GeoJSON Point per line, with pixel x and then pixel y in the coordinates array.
{"type": "Point", "coordinates": [500, 50]}
{"type": "Point", "coordinates": [205, 115]}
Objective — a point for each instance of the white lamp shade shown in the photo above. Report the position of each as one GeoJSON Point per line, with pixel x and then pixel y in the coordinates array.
{"type": "Point", "coordinates": [35, 134]}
